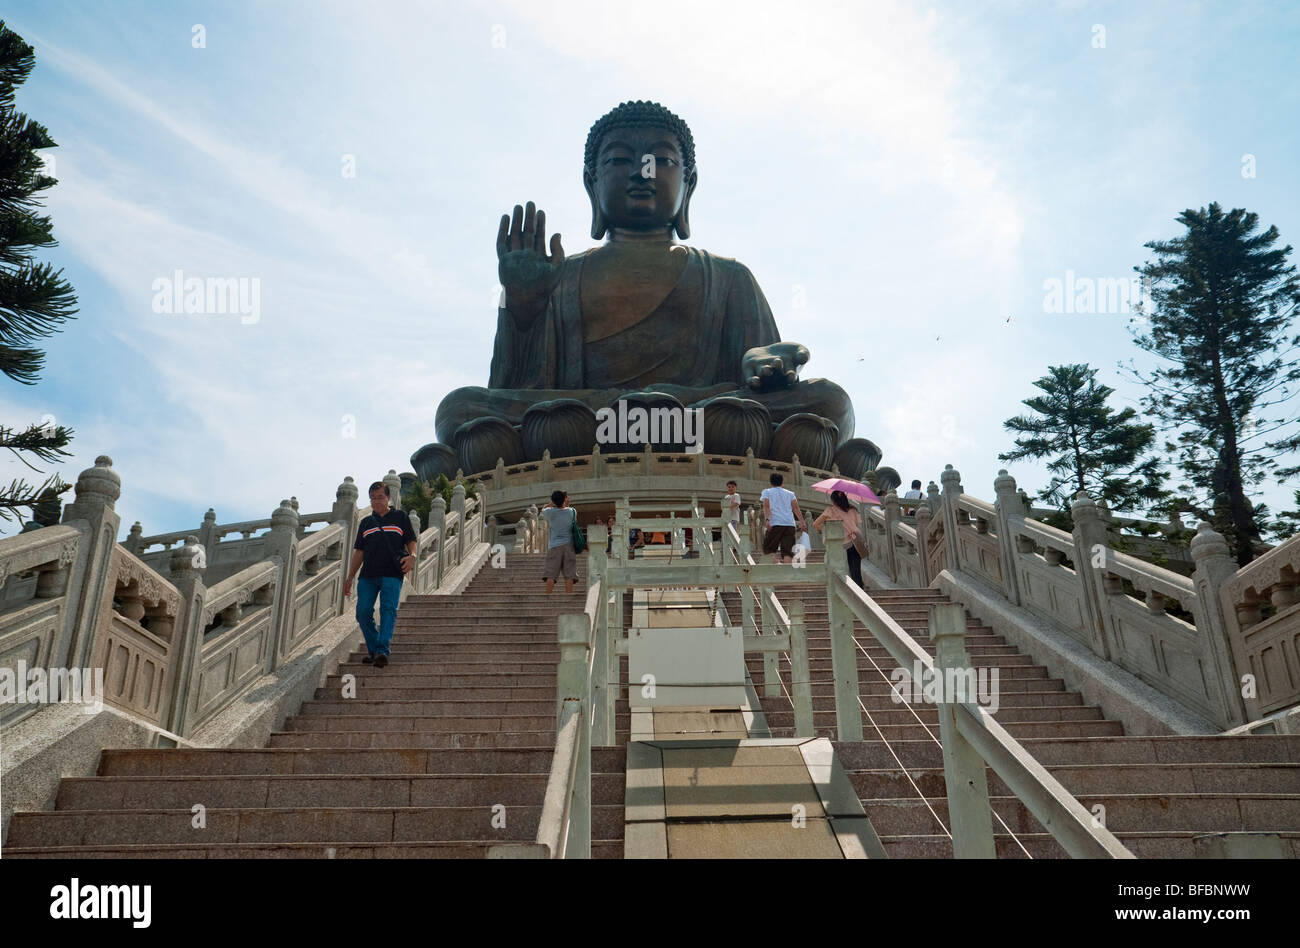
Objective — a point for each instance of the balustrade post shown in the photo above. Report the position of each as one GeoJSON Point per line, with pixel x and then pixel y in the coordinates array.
{"type": "Point", "coordinates": [751, 465]}
{"type": "Point", "coordinates": [1009, 512]}
{"type": "Point", "coordinates": [208, 534]}
{"type": "Point", "coordinates": [415, 570]}
{"type": "Point", "coordinates": [800, 671]}
{"type": "Point", "coordinates": [438, 520]}
{"type": "Point", "coordinates": [771, 660]}
{"type": "Point", "coordinates": [597, 562]}
{"type": "Point", "coordinates": [1092, 555]}
{"type": "Point", "coordinates": [597, 462]}
{"type": "Point", "coordinates": [394, 485]}
{"type": "Point", "coordinates": [963, 767]}
{"type": "Point", "coordinates": [134, 541]}
{"type": "Point", "coordinates": [797, 470]}
{"type": "Point", "coordinates": [573, 684]}
{"type": "Point", "coordinates": [1224, 657]}
{"type": "Point", "coordinates": [458, 507]}
{"type": "Point", "coordinates": [952, 492]}
{"type": "Point", "coordinates": [282, 545]}
{"type": "Point", "coordinates": [844, 651]}
{"type": "Point", "coordinates": [933, 499]}
{"type": "Point", "coordinates": [893, 514]}
{"type": "Point", "coordinates": [91, 513]}
{"type": "Point", "coordinates": [923, 517]}
{"type": "Point", "coordinates": [344, 513]}
{"type": "Point", "coordinates": [185, 658]}
{"type": "Point", "coordinates": [544, 469]}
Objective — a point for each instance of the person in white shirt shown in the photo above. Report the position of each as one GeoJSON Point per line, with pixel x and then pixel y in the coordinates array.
{"type": "Point", "coordinates": [781, 513]}
{"type": "Point", "coordinates": [731, 505]}
{"type": "Point", "coordinates": [913, 494]}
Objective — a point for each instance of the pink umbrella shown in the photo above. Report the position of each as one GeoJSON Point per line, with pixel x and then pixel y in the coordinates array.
{"type": "Point", "coordinates": [850, 488]}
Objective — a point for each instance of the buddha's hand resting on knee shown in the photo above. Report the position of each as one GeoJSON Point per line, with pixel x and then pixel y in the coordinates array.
{"type": "Point", "coordinates": [525, 270]}
{"type": "Point", "coordinates": [775, 366]}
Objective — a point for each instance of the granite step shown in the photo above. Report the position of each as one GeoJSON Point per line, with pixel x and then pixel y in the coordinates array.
{"type": "Point", "coordinates": [289, 825]}
{"type": "Point", "coordinates": [405, 760]}
{"type": "Point", "coordinates": [1136, 812]}
{"type": "Point", "coordinates": [238, 791]}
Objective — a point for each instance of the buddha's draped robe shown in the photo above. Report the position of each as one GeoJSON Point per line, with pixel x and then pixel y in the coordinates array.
{"type": "Point", "coordinates": [695, 337]}
{"type": "Point", "coordinates": [691, 346]}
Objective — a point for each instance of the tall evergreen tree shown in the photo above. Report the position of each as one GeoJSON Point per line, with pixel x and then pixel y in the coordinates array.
{"type": "Point", "coordinates": [1089, 446]}
{"type": "Point", "coordinates": [1223, 299]}
{"type": "Point", "coordinates": [34, 297]}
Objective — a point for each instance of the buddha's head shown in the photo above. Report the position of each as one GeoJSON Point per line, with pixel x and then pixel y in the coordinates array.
{"type": "Point", "coordinates": [639, 170]}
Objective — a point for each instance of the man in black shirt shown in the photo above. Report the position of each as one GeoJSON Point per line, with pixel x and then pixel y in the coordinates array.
{"type": "Point", "coordinates": [384, 551]}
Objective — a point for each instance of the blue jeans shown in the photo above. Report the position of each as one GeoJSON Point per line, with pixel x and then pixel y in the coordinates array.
{"type": "Point", "coordinates": [388, 589]}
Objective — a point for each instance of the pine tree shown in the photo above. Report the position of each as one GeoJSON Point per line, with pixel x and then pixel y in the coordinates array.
{"type": "Point", "coordinates": [1089, 446]}
{"type": "Point", "coordinates": [34, 298]}
{"type": "Point", "coordinates": [1287, 523]}
{"type": "Point", "coordinates": [1222, 300]}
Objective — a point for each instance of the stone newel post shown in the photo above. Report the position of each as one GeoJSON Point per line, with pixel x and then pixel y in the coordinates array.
{"type": "Point", "coordinates": [1214, 567]}
{"type": "Point", "coordinates": [344, 513]}
{"type": "Point", "coordinates": [458, 507]}
{"type": "Point", "coordinates": [1010, 512]}
{"type": "Point", "coordinates": [98, 488]}
{"type": "Point", "coordinates": [923, 518]}
{"type": "Point", "coordinates": [282, 544]}
{"type": "Point", "coordinates": [438, 520]}
{"type": "Point", "coordinates": [1092, 546]}
{"type": "Point", "coordinates": [208, 538]}
{"type": "Point", "coordinates": [394, 485]}
{"type": "Point", "coordinates": [893, 513]}
{"type": "Point", "coordinates": [188, 563]}
{"type": "Point", "coordinates": [952, 491]}
{"type": "Point", "coordinates": [844, 650]}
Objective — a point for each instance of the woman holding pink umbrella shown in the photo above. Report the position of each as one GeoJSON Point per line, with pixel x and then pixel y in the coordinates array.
{"type": "Point", "coordinates": [840, 509]}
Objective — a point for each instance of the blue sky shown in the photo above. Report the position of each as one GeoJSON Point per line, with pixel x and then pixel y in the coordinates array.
{"type": "Point", "coordinates": [910, 173]}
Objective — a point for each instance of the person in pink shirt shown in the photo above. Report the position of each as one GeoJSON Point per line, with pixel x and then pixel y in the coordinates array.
{"type": "Point", "coordinates": [840, 509]}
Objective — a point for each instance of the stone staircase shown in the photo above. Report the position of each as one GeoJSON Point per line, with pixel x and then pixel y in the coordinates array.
{"type": "Point", "coordinates": [1158, 792]}
{"type": "Point", "coordinates": [423, 761]}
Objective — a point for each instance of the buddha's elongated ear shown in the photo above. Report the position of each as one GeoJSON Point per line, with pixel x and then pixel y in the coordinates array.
{"type": "Point", "coordinates": [682, 221]}
{"type": "Point", "coordinates": [597, 218]}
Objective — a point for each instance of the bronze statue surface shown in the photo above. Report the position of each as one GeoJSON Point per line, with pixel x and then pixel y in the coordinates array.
{"type": "Point", "coordinates": [640, 313]}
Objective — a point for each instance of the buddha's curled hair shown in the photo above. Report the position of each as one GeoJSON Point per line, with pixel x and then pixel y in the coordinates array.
{"type": "Point", "coordinates": [628, 114]}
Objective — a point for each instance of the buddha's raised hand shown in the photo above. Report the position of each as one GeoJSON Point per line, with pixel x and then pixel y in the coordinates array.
{"type": "Point", "coordinates": [523, 266]}
{"type": "Point", "coordinates": [774, 366]}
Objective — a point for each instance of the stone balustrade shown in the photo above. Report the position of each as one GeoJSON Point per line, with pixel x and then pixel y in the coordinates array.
{"type": "Point", "coordinates": [1261, 611]}
{"type": "Point", "coordinates": [177, 639]}
{"type": "Point", "coordinates": [1192, 638]}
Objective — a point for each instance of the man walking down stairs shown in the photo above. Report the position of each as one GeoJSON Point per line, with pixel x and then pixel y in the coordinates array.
{"type": "Point", "coordinates": [443, 754]}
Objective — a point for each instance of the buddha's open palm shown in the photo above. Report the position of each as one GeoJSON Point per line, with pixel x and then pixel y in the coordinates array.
{"type": "Point", "coordinates": [773, 366]}
{"type": "Point", "coordinates": [524, 268]}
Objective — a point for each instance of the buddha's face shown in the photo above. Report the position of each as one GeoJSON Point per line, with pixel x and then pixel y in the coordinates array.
{"type": "Point", "coordinates": [640, 182]}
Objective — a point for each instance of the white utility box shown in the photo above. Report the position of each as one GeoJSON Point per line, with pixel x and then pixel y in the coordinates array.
{"type": "Point", "coordinates": [686, 668]}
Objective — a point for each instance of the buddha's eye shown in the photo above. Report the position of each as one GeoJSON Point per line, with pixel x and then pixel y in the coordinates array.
{"type": "Point", "coordinates": [664, 159]}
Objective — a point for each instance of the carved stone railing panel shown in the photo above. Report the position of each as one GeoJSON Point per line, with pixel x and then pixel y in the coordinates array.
{"type": "Point", "coordinates": [237, 591]}
{"type": "Point", "coordinates": [1261, 607]}
{"type": "Point", "coordinates": [232, 658]}
{"type": "Point", "coordinates": [1163, 651]}
{"type": "Point", "coordinates": [135, 638]}
{"type": "Point", "coordinates": [314, 605]}
{"type": "Point", "coordinates": [136, 667]}
{"type": "Point", "coordinates": [35, 611]}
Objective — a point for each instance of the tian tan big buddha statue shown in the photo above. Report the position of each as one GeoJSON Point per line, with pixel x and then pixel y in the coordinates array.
{"type": "Point", "coordinates": [640, 318]}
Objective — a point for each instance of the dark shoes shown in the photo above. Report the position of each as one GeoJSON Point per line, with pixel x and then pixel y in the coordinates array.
{"type": "Point", "coordinates": [368, 660]}
{"type": "Point", "coordinates": [381, 661]}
